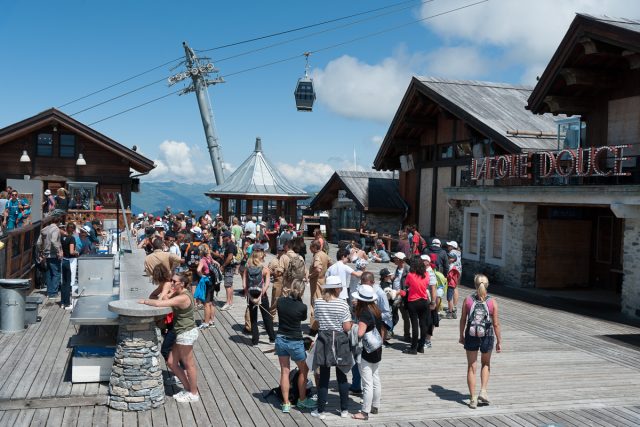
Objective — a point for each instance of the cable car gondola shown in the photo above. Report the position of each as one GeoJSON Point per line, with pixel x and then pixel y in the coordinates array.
{"type": "Point", "coordinates": [304, 93]}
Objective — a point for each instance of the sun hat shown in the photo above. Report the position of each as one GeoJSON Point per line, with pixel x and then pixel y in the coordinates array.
{"type": "Point", "coordinates": [399, 255]}
{"type": "Point", "coordinates": [453, 244]}
{"type": "Point", "coordinates": [436, 242]}
{"type": "Point", "coordinates": [333, 282]}
{"type": "Point", "coordinates": [364, 293]}
{"type": "Point", "coordinates": [196, 230]}
{"type": "Point", "coordinates": [361, 264]}
{"type": "Point", "coordinates": [86, 229]}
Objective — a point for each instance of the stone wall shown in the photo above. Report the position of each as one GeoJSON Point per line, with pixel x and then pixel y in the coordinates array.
{"type": "Point", "coordinates": [384, 223]}
{"type": "Point", "coordinates": [136, 378]}
{"type": "Point", "coordinates": [630, 300]}
{"type": "Point", "coordinates": [519, 252]}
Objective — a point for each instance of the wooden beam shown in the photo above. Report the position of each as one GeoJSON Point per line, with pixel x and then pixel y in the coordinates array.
{"type": "Point", "coordinates": [594, 47]}
{"type": "Point", "coordinates": [589, 77]}
{"type": "Point", "coordinates": [633, 58]}
{"type": "Point", "coordinates": [568, 104]}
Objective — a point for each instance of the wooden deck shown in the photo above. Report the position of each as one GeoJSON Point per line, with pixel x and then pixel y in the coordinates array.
{"type": "Point", "coordinates": [556, 368]}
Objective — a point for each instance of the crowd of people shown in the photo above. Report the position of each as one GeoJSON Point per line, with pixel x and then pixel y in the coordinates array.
{"type": "Point", "coordinates": [352, 316]}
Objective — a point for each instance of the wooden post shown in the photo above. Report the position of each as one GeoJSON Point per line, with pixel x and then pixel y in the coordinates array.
{"type": "Point", "coordinates": [224, 209]}
{"type": "Point", "coordinates": [249, 208]}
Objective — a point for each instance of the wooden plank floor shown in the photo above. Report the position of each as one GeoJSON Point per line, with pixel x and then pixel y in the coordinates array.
{"type": "Point", "coordinates": [555, 369]}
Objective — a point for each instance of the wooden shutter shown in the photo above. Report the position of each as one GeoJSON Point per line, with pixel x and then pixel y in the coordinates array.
{"type": "Point", "coordinates": [497, 224]}
{"type": "Point", "coordinates": [474, 223]}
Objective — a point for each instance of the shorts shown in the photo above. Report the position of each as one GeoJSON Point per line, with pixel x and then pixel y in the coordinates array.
{"type": "Point", "coordinates": [484, 344]}
{"type": "Point", "coordinates": [209, 294]}
{"type": "Point", "coordinates": [450, 292]}
{"type": "Point", "coordinates": [187, 337]}
{"type": "Point", "coordinates": [291, 348]}
{"type": "Point", "coordinates": [228, 278]}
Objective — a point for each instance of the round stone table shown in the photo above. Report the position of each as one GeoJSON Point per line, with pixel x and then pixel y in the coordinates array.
{"type": "Point", "coordinates": [136, 378]}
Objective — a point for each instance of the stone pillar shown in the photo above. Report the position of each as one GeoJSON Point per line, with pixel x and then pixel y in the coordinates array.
{"type": "Point", "coordinates": [630, 298]}
{"type": "Point", "coordinates": [136, 378]}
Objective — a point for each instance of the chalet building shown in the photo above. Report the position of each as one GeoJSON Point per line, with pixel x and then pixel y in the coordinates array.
{"type": "Point", "coordinates": [562, 213]}
{"type": "Point", "coordinates": [56, 149]}
{"type": "Point", "coordinates": [353, 196]}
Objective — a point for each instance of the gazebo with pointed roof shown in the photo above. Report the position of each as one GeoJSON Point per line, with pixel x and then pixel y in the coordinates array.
{"type": "Point", "coordinates": [257, 188]}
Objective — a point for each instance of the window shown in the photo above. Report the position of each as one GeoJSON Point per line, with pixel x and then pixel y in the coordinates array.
{"type": "Point", "coordinates": [496, 238]}
{"type": "Point", "coordinates": [471, 237]}
{"type": "Point", "coordinates": [67, 146]}
{"type": "Point", "coordinates": [446, 152]}
{"type": "Point", "coordinates": [44, 146]}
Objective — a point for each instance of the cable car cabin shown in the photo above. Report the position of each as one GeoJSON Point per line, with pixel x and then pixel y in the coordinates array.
{"type": "Point", "coordinates": [304, 94]}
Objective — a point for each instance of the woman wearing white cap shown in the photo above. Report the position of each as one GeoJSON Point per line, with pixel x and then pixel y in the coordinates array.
{"type": "Point", "coordinates": [369, 330]}
{"type": "Point", "coordinates": [332, 345]}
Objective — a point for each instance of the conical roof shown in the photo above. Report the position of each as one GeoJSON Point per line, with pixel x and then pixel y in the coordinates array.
{"type": "Point", "coordinates": [257, 177]}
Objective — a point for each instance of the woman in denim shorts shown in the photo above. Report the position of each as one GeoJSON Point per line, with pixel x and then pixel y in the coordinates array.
{"type": "Point", "coordinates": [184, 325]}
{"type": "Point", "coordinates": [477, 332]}
{"type": "Point", "coordinates": [290, 345]}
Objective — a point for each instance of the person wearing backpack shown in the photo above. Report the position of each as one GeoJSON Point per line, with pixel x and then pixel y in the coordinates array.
{"type": "Point", "coordinates": [204, 270]}
{"type": "Point", "coordinates": [256, 283]}
{"type": "Point", "coordinates": [478, 325]}
{"type": "Point", "coordinates": [293, 268]}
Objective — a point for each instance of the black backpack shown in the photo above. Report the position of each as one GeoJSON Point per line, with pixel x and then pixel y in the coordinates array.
{"type": "Point", "coordinates": [215, 276]}
{"type": "Point", "coordinates": [192, 257]}
{"type": "Point", "coordinates": [293, 388]}
{"type": "Point", "coordinates": [255, 281]}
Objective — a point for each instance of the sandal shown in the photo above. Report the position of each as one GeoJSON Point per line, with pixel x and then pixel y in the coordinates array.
{"type": "Point", "coordinates": [362, 416]}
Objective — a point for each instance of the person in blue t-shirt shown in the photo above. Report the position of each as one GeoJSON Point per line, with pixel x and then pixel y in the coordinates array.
{"type": "Point", "coordinates": [12, 211]}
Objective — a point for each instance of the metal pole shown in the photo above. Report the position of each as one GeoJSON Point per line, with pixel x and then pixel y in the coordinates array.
{"type": "Point", "coordinates": [206, 113]}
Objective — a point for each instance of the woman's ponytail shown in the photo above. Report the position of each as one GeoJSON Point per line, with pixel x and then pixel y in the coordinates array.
{"type": "Point", "coordinates": [481, 283]}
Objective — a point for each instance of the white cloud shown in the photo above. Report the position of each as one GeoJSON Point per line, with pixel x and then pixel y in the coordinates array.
{"type": "Point", "coordinates": [352, 88]}
{"type": "Point", "coordinates": [458, 62]}
{"type": "Point", "coordinates": [177, 161]}
{"type": "Point", "coordinates": [376, 140]}
{"type": "Point", "coordinates": [306, 173]}
{"type": "Point", "coordinates": [526, 32]}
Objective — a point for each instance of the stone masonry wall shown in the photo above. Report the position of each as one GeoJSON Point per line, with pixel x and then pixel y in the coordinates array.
{"type": "Point", "coordinates": [384, 223]}
{"type": "Point", "coordinates": [136, 378]}
{"type": "Point", "coordinates": [630, 300]}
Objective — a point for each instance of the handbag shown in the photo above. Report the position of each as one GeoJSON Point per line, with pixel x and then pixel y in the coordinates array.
{"type": "Point", "coordinates": [372, 340]}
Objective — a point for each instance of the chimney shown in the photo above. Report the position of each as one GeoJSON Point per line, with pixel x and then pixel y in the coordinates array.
{"type": "Point", "coordinates": [258, 148]}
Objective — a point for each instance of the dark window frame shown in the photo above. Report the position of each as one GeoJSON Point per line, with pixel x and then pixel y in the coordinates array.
{"type": "Point", "coordinates": [46, 146]}
{"type": "Point", "coordinates": [61, 146]}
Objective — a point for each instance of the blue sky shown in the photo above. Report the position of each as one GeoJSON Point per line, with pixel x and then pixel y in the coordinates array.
{"type": "Point", "coordinates": [54, 52]}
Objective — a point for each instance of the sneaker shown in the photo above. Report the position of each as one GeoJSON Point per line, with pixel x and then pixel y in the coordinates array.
{"type": "Point", "coordinates": [203, 326]}
{"type": "Point", "coordinates": [212, 324]}
{"type": "Point", "coordinates": [355, 392]}
{"type": "Point", "coordinates": [317, 414]}
{"type": "Point", "coordinates": [483, 397]}
{"type": "Point", "coordinates": [187, 397]}
{"type": "Point", "coordinates": [449, 315]}
{"type": "Point", "coordinates": [409, 351]}
{"type": "Point", "coordinates": [455, 314]}
{"type": "Point", "coordinates": [427, 344]}
{"type": "Point", "coordinates": [473, 403]}
{"type": "Point", "coordinates": [374, 410]}
{"type": "Point", "coordinates": [179, 394]}
{"type": "Point", "coordinates": [308, 403]}
{"type": "Point", "coordinates": [314, 397]}
{"type": "Point", "coordinates": [68, 307]}
{"type": "Point", "coordinates": [226, 307]}
{"type": "Point", "coordinates": [344, 414]}
{"type": "Point", "coordinates": [286, 408]}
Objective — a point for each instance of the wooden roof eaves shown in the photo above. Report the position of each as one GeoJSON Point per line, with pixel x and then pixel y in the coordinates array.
{"type": "Point", "coordinates": [335, 182]}
{"type": "Point", "coordinates": [395, 123]}
{"type": "Point", "coordinates": [139, 162]}
{"type": "Point", "coordinates": [580, 26]}
{"type": "Point", "coordinates": [471, 120]}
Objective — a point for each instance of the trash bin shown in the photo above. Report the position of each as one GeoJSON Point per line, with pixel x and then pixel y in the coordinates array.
{"type": "Point", "coordinates": [13, 293]}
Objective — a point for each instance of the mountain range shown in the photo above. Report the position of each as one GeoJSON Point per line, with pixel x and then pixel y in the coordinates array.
{"type": "Point", "coordinates": [154, 197]}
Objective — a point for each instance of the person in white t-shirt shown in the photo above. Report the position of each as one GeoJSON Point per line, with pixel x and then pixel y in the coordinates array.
{"type": "Point", "coordinates": [342, 270]}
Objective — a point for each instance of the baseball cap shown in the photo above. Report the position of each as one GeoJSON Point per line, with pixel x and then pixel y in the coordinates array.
{"type": "Point", "coordinates": [86, 229]}
{"type": "Point", "coordinates": [158, 224]}
{"type": "Point", "coordinates": [196, 230]}
{"type": "Point", "coordinates": [140, 216]}
{"type": "Point", "coordinates": [399, 255]}
{"type": "Point", "coordinates": [47, 192]}
{"type": "Point", "coordinates": [385, 272]}
{"type": "Point", "coordinates": [436, 242]}
{"type": "Point", "coordinates": [251, 236]}
{"type": "Point", "coordinates": [453, 244]}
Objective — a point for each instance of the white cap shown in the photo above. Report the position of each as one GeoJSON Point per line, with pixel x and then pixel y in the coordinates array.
{"type": "Point", "coordinates": [47, 192]}
{"type": "Point", "coordinates": [399, 255]}
{"type": "Point", "coordinates": [196, 230]}
{"type": "Point", "coordinates": [158, 224]}
{"type": "Point", "coordinates": [453, 244]}
{"type": "Point", "coordinates": [333, 282]}
{"type": "Point", "coordinates": [425, 258]}
{"type": "Point", "coordinates": [86, 228]}
{"type": "Point", "coordinates": [436, 242]}
{"type": "Point", "coordinates": [140, 216]}
{"type": "Point", "coordinates": [252, 236]}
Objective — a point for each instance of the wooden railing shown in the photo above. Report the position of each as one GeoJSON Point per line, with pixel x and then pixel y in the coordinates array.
{"type": "Point", "coordinates": [17, 260]}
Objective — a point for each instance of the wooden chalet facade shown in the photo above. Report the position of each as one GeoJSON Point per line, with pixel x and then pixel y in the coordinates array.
{"type": "Point", "coordinates": [542, 190]}
{"type": "Point", "coordinates": [53, 142]}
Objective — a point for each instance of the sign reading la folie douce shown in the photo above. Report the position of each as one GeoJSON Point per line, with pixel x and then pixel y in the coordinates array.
{"type": "Point", "coordinates": [565, 163]}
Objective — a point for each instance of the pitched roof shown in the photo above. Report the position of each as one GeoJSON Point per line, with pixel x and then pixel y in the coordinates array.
{"type": "Point", "coordinates": [622, 35]}
{"type": "Point", "coordinates": [54, 116]}
{"type": "Point", "coordinates": [371, 191]}
{"type": "Point", "coordinates": [257, 177]}
{"type": "Point", "coordinates": [490, 108]}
